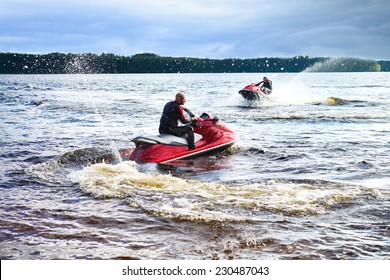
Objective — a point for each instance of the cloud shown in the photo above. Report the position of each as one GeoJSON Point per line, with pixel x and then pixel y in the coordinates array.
{"type": "Point", "coordinates": [218, 29]}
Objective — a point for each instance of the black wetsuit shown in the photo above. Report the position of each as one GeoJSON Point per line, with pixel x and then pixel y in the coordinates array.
{"type": "Point", "coordinates": [172, 113]}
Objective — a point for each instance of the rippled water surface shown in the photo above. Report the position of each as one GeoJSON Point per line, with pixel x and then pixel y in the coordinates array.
{"type": "Point", "coordinates": [309, 178]}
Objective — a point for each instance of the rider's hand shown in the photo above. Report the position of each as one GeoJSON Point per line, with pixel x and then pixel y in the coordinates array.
{"type": "Point", "coordinates": [195, 118]}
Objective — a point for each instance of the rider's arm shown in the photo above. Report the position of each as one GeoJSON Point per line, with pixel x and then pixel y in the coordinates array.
{"type": "Point", "coordinates": [258, 84]}
{"type": "Point", "coordinates": [182, 117]}
{"type": "Point", "coordinates": [192, 115]}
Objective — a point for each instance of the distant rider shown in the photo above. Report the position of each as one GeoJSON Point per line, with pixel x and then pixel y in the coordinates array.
{"type": "Point", "coordinates": [266, 84]}
{"type": "Point", "coordinates": [173, 112]}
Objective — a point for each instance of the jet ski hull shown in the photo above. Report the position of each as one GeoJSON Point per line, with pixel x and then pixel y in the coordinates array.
{"type": "Point", "coordinates": [253, 93]}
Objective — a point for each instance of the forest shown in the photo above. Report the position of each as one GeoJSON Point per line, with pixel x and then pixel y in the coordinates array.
{"type": "Point", "coordinates": [89, 63]}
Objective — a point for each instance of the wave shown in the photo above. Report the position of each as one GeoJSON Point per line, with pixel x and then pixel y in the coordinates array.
{"type": "Point", "coordinates": [361, 111]}
{"type": "Point", "coordinates": [54, 172]}
{"type": "Point", "coordinates": [350, 86]}
{"type": "Point", "coordinates": [249, 201]}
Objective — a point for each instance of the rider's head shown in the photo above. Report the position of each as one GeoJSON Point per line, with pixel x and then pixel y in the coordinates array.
{"type": "Point", "coordinates": [265, 79]}
{"type": "Point", "coordinates": [180, 98]}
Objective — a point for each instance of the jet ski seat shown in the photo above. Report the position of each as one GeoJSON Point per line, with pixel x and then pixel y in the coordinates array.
{"type": "Point", "coordinates": [166, 139]}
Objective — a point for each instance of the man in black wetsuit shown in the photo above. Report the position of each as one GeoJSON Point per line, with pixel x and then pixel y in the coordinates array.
{"type": "Point", "coordinates": [266, 83]}
{"type": "Point", "coordinates": [172, 113]}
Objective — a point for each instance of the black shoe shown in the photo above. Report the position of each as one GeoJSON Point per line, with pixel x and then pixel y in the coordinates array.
{"type": "Point", "coordinates": [190, 148]}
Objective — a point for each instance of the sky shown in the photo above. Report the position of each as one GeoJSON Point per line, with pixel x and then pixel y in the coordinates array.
{"type": "Point", "coordinates": [198, 28]}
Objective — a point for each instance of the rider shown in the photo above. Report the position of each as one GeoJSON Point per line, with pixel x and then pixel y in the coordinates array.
{"type": "Point", "coordinates": [266, 83]}
{"type": "Point", "coordinates": [173, 112]}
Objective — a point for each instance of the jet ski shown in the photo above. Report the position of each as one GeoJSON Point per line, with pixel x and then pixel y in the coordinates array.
{"type": "Point", "coordinates": [211, 136]}
{"type": "Point", "coordinates": [253, 93]}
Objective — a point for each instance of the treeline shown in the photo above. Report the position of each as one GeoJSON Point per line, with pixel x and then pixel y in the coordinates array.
{"type": "Point", "coordinates": [385, 65]}
{"type": "Point", "coordinates": [60, 63]}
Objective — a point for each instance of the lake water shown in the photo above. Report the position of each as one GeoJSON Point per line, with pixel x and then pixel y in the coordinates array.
{"type": "Point", "coordinates": [309, 178]}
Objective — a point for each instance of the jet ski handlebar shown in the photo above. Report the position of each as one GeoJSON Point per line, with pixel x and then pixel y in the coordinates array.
{"type": "Point", "coordinates": [206, 116]}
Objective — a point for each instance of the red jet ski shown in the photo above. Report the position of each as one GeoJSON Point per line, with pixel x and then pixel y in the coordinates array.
{"type": "Point", "coordinates": [211, 136]}
{"type": "Point", "coordinates": [253, 93]}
